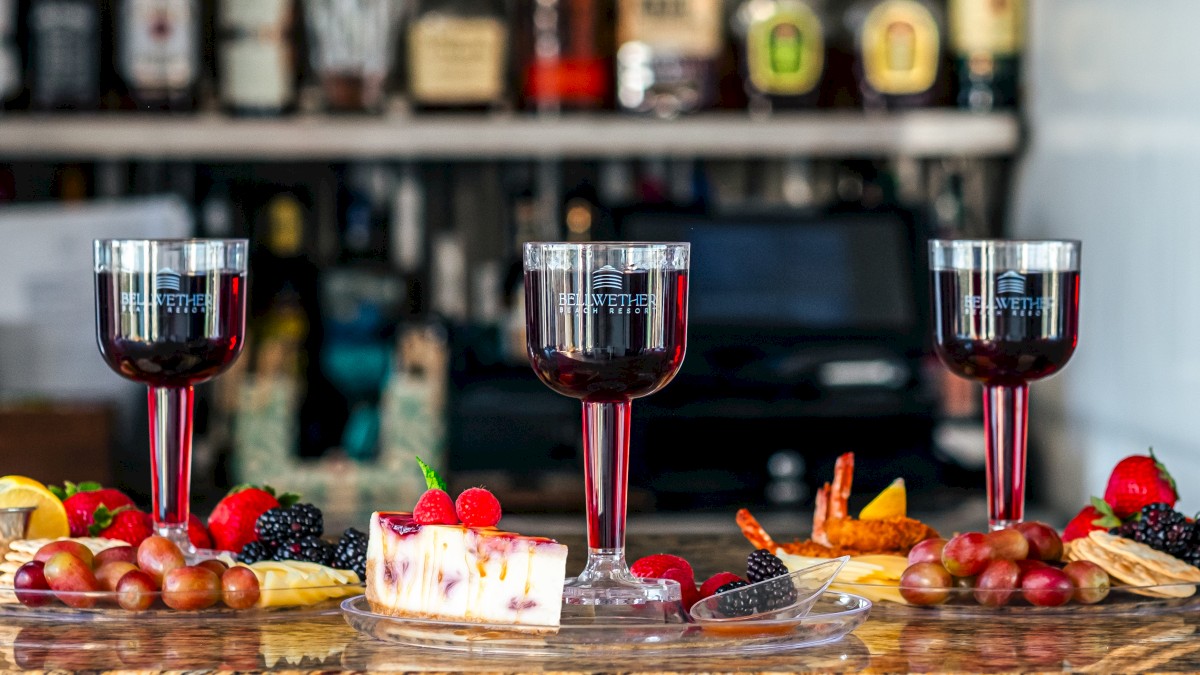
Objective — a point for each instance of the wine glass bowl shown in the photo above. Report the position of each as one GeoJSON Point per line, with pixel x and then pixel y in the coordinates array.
{"type": "Point", "coordinates": [1006, 313]}
{"type": "Point", "coordinates": [170, 314]}
{"type": "Point", "coordinates": [606, 322]}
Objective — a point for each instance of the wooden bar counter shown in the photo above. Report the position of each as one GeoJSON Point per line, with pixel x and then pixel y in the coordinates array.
{"type": "Point", "coordinates": [890, 641]}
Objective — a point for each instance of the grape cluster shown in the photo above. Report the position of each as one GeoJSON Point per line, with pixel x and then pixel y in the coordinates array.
{"type": "Point", "coordinates": [1162, 528]}
{"type": "Point", "coordinates": [295, 533]}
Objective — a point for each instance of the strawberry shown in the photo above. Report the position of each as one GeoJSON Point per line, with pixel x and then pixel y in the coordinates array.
{"type": "Point", "coordinates": [1098, 516]}
{"type": "Point", "coordinates": [1137, 481]}
{"type": "Point", "coordinates": [231, 523]}
{"type": "Point", "coordinates": [198, 533]}
{"type": "Point", "coordinates": [82, 500]}
{"type": "Point", "coordinates": [126, 523]}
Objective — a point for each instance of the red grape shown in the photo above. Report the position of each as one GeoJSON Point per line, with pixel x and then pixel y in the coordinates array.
{"type": "Point", "coordinates": [116, 554]}
{"type": "Point", "coordinates": [998, 583]}
{"type": "Point", "coordinates": [1008, 544]}
{"type": "Point", "coordinates": [213, 565]}
{"type": "Point", "coordinates": [29, 582]}
{"type": "Point", "coordinates": [239, 587]}
{"type": "Point", "coordinates": [157, 556]}
{"type": "Point", "coordinates": [65, 546]}
{"type": "Point", "coordinates": [191, 588]}
{"type": "Point", "coordinates": [1044, 542]}
{"type": "Point", "coordinates": [136, 591]}
{"type": "Point", "coordinates": [929, 550]}
{"type": "Point", "coordinates": [1046, 587]}
{"type": "Point", "coordinates": [71, 578]}
{"type": "Point", "coordinates": [110, 573]}
{"type": "Point", "coordinates": [926, 583]}
{"type": "Point", "coordinates": [1090, 580]}
{"type": "Point", "coordinates": [965, 555]}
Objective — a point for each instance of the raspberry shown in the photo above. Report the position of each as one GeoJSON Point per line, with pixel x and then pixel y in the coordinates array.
{"type": "Point", "coordinates": [435, 508]}
{"type": "Point", "coordinates": [709, 587]}
{"type": "Point", "coordinates": [687, 585]}
{"type": "Point", "coordinates": [477, 507]}
{"type": "Point", "coordinates": [653, 566]}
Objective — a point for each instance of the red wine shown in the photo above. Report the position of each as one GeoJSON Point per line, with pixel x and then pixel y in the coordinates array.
{"type": "Point", "coordinates": [176, 332]}
{"type": "Point", "coordinates": [620, 338]}
{"type": "Point", "coordinates": [1005, 328]}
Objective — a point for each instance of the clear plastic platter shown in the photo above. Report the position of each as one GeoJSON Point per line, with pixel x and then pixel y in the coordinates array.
{"type": "Point", "coordinates": [831, 617]}
{"type": "Point", "coordinates": [299, 602]}
{"type": "Point", "coordinates": [1121, 600]}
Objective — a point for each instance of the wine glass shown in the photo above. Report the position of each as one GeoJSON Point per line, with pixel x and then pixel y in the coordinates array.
{"type": "Point", "coordinates": [170, 313]}
{"type": "Point", "coordinates": [606, 322]}
{"type": "Point", "coordinates": [1005, 313]}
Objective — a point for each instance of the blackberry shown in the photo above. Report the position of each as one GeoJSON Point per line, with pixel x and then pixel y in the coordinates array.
{"type": "Point", "coordinates": [351, 553]}
{"type": "Point", "coordinates": [1162, 528]}
{"type": "Point", "coordinates": [305, 549]}
{"type": "Point", "coordinates": [775, 594]}
{"type": "Point", "coordinates": [735, 604]}
{"type": "Point", "coordinates": [762, 565]}
{"type": "Point", "coordinates": [282, 524]}
{"type": "Point", "coordinates": [256, 551]}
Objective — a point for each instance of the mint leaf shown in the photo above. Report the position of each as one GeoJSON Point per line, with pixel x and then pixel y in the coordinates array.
{"type": "Point", "coordinates": [432, 480]}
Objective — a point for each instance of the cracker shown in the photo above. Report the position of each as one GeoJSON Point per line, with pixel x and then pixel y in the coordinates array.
{"type": "Point", "coordinates": [1160, 564]}
{"type": "Point", "coordinates": [1116, 566]}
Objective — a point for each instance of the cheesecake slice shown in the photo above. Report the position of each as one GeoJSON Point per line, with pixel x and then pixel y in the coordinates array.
{"type": "Point", "coordinates": [460, 573]}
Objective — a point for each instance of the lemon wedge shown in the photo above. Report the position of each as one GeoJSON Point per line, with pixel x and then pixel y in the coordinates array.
{"type": "Point", "coordinates": [49, 519]}
{"type": "Point", "coordinates": [892, 502]}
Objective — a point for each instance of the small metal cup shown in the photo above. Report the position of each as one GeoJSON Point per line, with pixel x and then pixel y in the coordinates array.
{"type": "Point", "coordinates": [14, 523]}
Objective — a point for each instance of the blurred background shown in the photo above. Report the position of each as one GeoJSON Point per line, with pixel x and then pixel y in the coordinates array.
{"type": "Point", "coordinates": [387, 158]}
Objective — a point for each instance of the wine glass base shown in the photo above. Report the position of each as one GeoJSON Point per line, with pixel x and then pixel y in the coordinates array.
{"type": "Point", "coordinates": [179, 536]}
{"type": "Point", "coordinates": [617, 591]}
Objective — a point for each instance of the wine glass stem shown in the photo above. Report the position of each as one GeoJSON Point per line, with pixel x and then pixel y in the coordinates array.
{"type": "Point", "coordinates": [1005, 417]}
{"type": "Point", "coordinates": [171, 461]}
{"type": "Point", "coordinates": [606, 474]}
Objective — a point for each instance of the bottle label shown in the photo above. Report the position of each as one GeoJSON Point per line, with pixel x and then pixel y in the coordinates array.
{"type": "Point", "coordinates": [687, 28]}
{"type": "Point", "coordinates": [457, 60]}
{"type": "Point", "coordinates": [161, 47]}
{"type": "Point", "coordinates": [785, 51]}
{"type": "Point", "coordinates": [900, 47]}
{"type": "Point", "coordinates": [256, 61]}
{"type": "Point", "coordinates": [991, 26]}
{"type": "Point", "coordinates": [65, 57]}
{"type": "Point", "coordinates": [567, 79]}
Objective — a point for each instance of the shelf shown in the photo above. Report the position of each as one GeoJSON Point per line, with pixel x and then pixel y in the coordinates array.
{"type": "Point", "coordinates": [211, 137]}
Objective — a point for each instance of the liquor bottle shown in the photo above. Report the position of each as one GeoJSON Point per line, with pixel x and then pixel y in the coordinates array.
{"type": "Point", "coordinates": [668, 54]}
{"type": "Point", "coordinates": [782, 52]}
{"type": "Point", "coordinates": [567, 54]}
{"type": "Point", "coordinates": [351, 47]}
{"type": "Point", "coordinates": [986, 37]}
{"type": "Point", "coordinates": [10, 55]}
{"type": "Point", "coordinates": [159, 53]}
{"type": "Point", "coordinates": [256, 57]}
{"type": "Point", "coordinates": [899, 59]}
{"type": "Point", "coordinates": [457, 55]}
{"type": "Point", "coordinates": [64, 54]}
{"type": "Point", "coordinates": [365, 300]}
